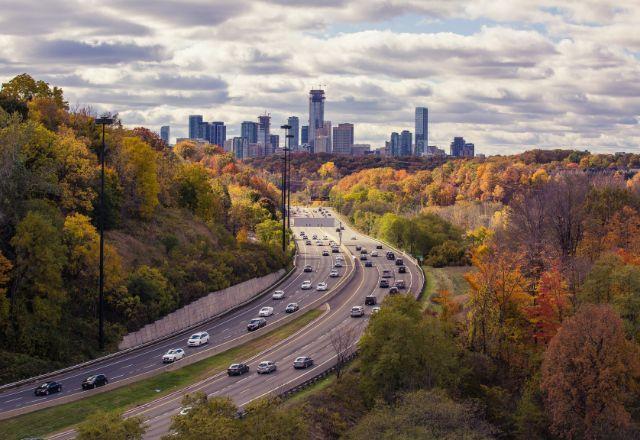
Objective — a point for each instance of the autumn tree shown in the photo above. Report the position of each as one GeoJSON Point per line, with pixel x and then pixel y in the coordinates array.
{"type": "Point", "coordinates": [588, 374]}
{"type": "Point", "coordinates": [551, 306]}
{"type": "Point", "coordinates": [110, 426]}
{"type": "Point", "coordinates": [5, 271]}
{"type": "Point", "coordinates": [137, 169]}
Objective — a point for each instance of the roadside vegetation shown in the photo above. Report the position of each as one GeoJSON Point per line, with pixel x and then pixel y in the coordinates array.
{"type": "Point", "coordinates": [180, 223]}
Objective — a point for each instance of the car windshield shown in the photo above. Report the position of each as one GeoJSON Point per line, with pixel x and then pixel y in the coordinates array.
{"type": "Point", "coordinates": [90, 378]}
{"type": "Point", "coordinates": [44, 385]}
{"type": "Point", "coordinates": [171, 351]}
{"type": "Point", "coordinates": [195, 336]}
{"type": "Point", "coordinates": [255, 321]}
{"type": "Point", "coordinates": [234, 366]}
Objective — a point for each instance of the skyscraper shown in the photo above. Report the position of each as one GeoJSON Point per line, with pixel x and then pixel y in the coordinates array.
{"type": "Point", "coordinates": [395, 144]}
{"type": "Point", "coordinates": [264, 128]}
{"type": "Point", "coordinates": [194, 126]}
{"type": "Point", "coordinates": [316, 112]}
{"type": "Point", "coordinates": [405, 143]}
{"type": "Point", "coordinates": [217, 133]}
{"type": "Point", "coordinates": [459, 148]}
{"type": "Point", "coordinates": [165, 131]}
{"type": "Point", "coordinates": [249, 131]}
{"type": "Point", "coordinates": [343, 139]}
{"type": "Point", "coordinates": [323, 138]}
{"type": "Point", "coordinates": [294, 122]}
{"type": "Point", "coordinates": [274, 141]}
{"type": "Point", "coordinates": [304, 135]}
{"type": "Point", "coordinates": [422, 130]}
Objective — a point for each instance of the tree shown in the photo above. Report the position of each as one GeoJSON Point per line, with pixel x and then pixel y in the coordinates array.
{"type": "Point", "coordinates": [343, 341]}
{"type": "Point", "coordinates": [139, 171]}
{"type": "Point", "coordinates": [24, 88]}
{"type": "Point", "coordinates": [551, 305]}
{"type": "Point", "coordinates": [588, 373]}
{"type": "Point", "coordinates": [110, 426]}
{"type": "Point", "coordinates": [5, 271]}
{"type": "Point", "coordinates": [153, 289]}
{"type": "Point", "coordinates": [213, 418]}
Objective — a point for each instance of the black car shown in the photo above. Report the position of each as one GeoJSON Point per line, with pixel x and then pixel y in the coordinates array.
{"type": "Point", "coordinates": [293, 307]}
{"type": "Point", "coordinates": [391, 256]}
{"type": "Point", "coordinates": [378, 246]}
{"type": "Point", "coordinates": [368, 264]}
{"type": "Point", "coordinates": [363, 257]}
{"type": "Point", "coordinates": [399, 262]}
{"type": "Point", "coordinates": [393, 290]}
{"type": "Point", "coordinates": [256, 323]}
{"type": "Point", "coordinates": [308, 268]}
{"type": "Point", "coordinates": [370, 300]}
{"type": "Point", "coordinates": [384, 283]}
{"type": "Point", "coordinates": [97, 380]}
{"type": "Point", "coordinates": [302, 362]}
{"type": "Point", "coordinates": [237, 369]}
{"type": "Point", "coordinates": [358, 247]}
{"type": "Point", "coordinates": [402, 269]}
{"type": "Point", "coordinates": [48, 388]}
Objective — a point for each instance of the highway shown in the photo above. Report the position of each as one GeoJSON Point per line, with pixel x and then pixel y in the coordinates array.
{"type": "Point", "coordinates": [222, 330]}
{"type": "Point", "coordinates": [313, 340]}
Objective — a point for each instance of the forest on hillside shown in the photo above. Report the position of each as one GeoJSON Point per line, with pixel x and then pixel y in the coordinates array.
{"type": "Point", "coordinates": [179, 223]}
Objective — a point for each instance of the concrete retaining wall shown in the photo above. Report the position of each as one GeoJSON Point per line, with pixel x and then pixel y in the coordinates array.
{"type": "Point", "coordinates": [200, 310]}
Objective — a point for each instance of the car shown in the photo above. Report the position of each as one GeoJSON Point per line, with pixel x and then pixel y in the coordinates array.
{"type": "Point", "coordinates": [302, 362]}
{"type": "Point", "coordinates": [315, 236]}
{"type": "Point", "coordinates": [386, 273]}
{"type": "Point", "coordinates": [357, 311]}
{"type": "Point", "coordinates": [384, 283]}
{"type": "Point", "coordinates": [400, 284]}
{"type": "Point", "coordinates": [266, 367]}
{"type": "Point", "coordinates": [370, 300]}
{"type": "Point", "coordinates": [358, 247]}
{"type": "Point", "coordinates": [321, 286]}
{"type": "Point", "coordinates": [368, 264]}
{"type": "Point", "coordinates": [391, 256]}
{"type": "Point", "coordinates": [265, 311]}
{"type": "Point", "coordinates": [48, 388]}
{"type": "Point", "coordinates": [97, 380]}
{"type": "Point", "coordinates": [308, 242]}
{"type": "Point", "coordinates": [325, 253]}
{"type": "Point", "coordinates": [198, 339]}
{"type": "Point", "coordinates": [374, 253]}
{"type": "Point", "coordinates": [319, 243]}
{"type": "Point", "coordinates": [375, 309]}
{"type": "Point", "coordinates": [334, 273]}
{"type": "Point", "coordinates": [278, 294]}
{"type": "Point", "coordinates": [363, 257]}
{"type": "Point", "coordinates": [340, 257]}
{"type": "Point", "coordinates": [335, 249]}
{"type": "Point", "coordinates": [393, 290]}
{"type": "Point", "coordinates": [292, 307]}
{"type": "Point", "coordinates": [237, 369]}
{"type": "Point", "coordinates": [378, 246]}
{"type": "Point", "coordinates": [308, 268]}
{"type": "Point", "coordinates": [306, 285]}
{"type": "Point", "coordinates": [338, 263]}
{"type": "Point", "coordinates": [324, 237]}
{"type": "Point", "coordinates": [399, 262]}
{"type": "Point", "coordinates": [175, 354]}
{"type": "Point", "coordinates": [256, 323]}
{"type": "Point", "coordinates": [364, 251]}
{"type": "Point", "coordinates": [185, 410]}
{"type": "Point", "coordinates": [402, 269]}
{"type": "Point", "coordinates": [353, 238]}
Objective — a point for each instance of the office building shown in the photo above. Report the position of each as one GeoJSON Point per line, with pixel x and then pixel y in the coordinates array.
{"type": "Point", "coordinates": [249, 131]}
{"type": "Point", "coordinates": [343, 139]}
{"type": "Point", "coordinates": [239, 147]}
{"type": "Point", "coordinates": [304, 135]}
{"type": "Point", "coordinates": [433, 151]}
{"type": "Point", "coordinates": [360, 149]}
{"type": "Point", "coordinates": [459, 148]}
{"type": "Point", "coordinates": [274, 142]}
{"type": "Point", "coordinates": [324, 134]}
{"type": "Point", "coordinates": [165, 131]}
{"type": "Point", "coordinates": [394, 145]}
{"type": "Point", "coordinates": [316, 113]}
{"type": "Point", "coordinates": [194, 126]}
{"type": "Point", "coordinates": [264, 133]}
{"type": "Point", "coordinates": [422, 130]}
{"type": "Point", "coordinates": [406, 142]}
{"type": "Point", "coordinates": [294, 142]}
{"type": "Point", "coordinates": [228, 146]}
{"type": "Point", "coordinates": [217, 133]}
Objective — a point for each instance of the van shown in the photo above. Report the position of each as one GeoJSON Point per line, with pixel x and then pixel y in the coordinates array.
{"type": "Point", "coordinates": [370, 300]}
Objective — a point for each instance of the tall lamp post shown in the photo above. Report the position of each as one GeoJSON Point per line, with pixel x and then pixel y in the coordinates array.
{"type": "Point", "coordinates": [284, 189]}
{"type": "Point", "coordinates": [104, 121]}
{"type": "Point", "coordinates": [288, 138]}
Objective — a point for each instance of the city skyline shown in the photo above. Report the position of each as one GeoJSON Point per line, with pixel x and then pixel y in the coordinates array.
{"type": "Point", "coordinates": [510, 75]}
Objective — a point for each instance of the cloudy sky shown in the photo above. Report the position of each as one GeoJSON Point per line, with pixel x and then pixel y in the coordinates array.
{"type": "Point", "coordinates": [508, 75]}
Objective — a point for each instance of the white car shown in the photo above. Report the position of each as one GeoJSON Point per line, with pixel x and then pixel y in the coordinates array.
{"type": "Point", "coordinates": [175, 354]}
{"type": "Point", "coordinates": [265, 311]}
{"type": "Point", "coordinates": [306, 285]}
{"type": "Point", "coordinates": [321, 286]}
{"type": "Point", "coordinates": [374, 253]}
{"type": "Point", "coordinates": [338, 263]}
{"type": "Point", "coordinates": [266, 367]}
{"type": "Point", "coordinates": [278, 294]}
{"type": "Point", "coordinates": [357, 311]}
{"type": "Point", "coordinates": [325, 237]}
{"type": "Point", "coordinates": [375, 309]}
{"type": "Point", "coordinates": [334, 273]}
{"type": "Point", "coordinates": [198, 339]}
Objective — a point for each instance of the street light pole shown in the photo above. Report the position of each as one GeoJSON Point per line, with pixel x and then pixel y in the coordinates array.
{"type": "Point", "coordinates": [104, 121]}
{"type": "Point", "coordinates": [289, 137]}
{"type": "Point", "coordinates": [284, 190]}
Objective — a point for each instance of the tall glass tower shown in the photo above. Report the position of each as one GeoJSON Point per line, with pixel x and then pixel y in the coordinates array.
{"type": "Point", "coordinates": [422, 130]}
{"type": "Point", "coordinates": [316, 113]}
{"type": "Point", "coordinates": [294, 122]}
{"type": "Point", "coordinates": [194, 126]}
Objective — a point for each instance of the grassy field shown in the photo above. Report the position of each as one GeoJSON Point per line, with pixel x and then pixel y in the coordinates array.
{"type": "Point", "coordinates": [62, 417]}
{"type": "Point", "coordinates": [315, 388]}
{"type": "Point", "coordinates": [444, 278]}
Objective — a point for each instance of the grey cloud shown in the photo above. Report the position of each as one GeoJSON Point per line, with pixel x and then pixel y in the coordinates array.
{"type": "Point", "coordinates": [91, 54]}
{"type": "Point", "coordinates": [186, 13]}
{"type": "Point", "coordinates": [183, 82]}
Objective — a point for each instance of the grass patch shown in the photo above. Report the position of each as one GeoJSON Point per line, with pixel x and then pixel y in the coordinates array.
{"type": "Point", "coordinates": [315, 388]}
{"type": "Point", "coordinates": [64, 416]}
{"type": "Point", "coordinates": [444, 278]}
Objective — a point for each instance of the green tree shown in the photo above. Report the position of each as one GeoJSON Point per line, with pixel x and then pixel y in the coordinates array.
{"type": "Point", "coordinates": [110, 426]}
{"type": "Point", "coordinates": [213, 418]}
{"type": "Point", "coordinates": [24, 88]}
{"type": "Point", "coordinates": [153, 289]}
{"type": "Point", "coordinates": [5, 271]}
{"type": "Point", "coordinates": [138, 169]}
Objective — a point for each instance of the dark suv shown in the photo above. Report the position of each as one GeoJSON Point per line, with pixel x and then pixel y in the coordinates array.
{"type": "Point", "coordinates": [402, 269]}
{"type": "Point", "coordinates": [94, 381]}
{"type": "Point", "coordinates": [370, 300]}
{"type": "Point", "coordinates": [384, 283]}
{"type": "Point", "coordinates": [399, 262]}
{"type": "Point", "coordinates": [391, 256]}
{"type": "Point", "coordinates": [256, 323]}
{"type": "Point", "coordinates": [237, 369]}
{"type": "Point", "coordinates": [48, 388]}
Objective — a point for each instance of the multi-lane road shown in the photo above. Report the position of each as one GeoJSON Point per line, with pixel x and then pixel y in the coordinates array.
{"type": "Point", "coordinates": [356, 282]}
